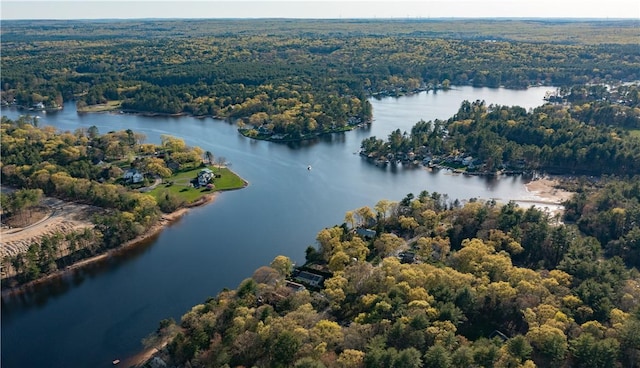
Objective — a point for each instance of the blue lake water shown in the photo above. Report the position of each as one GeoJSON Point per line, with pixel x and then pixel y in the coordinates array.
{"type": "Point", "coordinates": [102, 312]}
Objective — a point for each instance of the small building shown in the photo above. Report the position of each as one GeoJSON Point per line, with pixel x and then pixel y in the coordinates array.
{"type": "Point", "coordinates": [499, 335]}
{"type": "Point", "coordinates": [366, 233]}
{"type": "Point", "coordinates": [263, 129]}
{"type": "Point", "coordinates": [309, 278]}
{"type": "Point", "coordinates": [407, 257]}
{"type": "Point", "coordinates": [205, 176]}
{"type": "Point", "coordinates": [294, 286]}
{"type": "Point", "coordinates": [133, 176]}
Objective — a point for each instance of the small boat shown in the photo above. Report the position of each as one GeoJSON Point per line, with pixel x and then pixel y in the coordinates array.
{"type": "Point", "coordinates": [116, 362]}
{"type": "Point", "coordinates": [309, 167]}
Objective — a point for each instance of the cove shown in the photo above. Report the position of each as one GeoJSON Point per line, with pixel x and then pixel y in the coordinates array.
{"type": "Point", "coordinates": [100, 313]}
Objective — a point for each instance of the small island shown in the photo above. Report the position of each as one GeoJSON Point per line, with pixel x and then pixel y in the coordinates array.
{"type": "Point", "coordinates": [72, 198]}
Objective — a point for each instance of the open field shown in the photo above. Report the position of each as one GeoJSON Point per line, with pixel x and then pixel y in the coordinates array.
{"type": "Point", "coordinates": [109, 106]}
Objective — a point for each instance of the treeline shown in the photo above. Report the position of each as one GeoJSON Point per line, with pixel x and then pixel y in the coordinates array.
{"type": "Point", "coordinates": [88, 167]}
{"type": "Point", "coordinates": [561, 31]}
{"type": "Point", "coordinates": [51, 253]}
{"type": "Point", "coordinates": [441, 284]}
{"type": "Point", "coordinates": [295, 82]}
{"type": "Point", "coordinates": [612, 215]}
{"type": "Point", "coordinates": [592, 137]}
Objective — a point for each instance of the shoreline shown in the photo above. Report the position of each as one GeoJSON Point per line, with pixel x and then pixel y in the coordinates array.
{"type": "Point", "coordinates": [165, 221]}
{"type": "Point", "coordinates": [545, 194]}
{"type": "Point", "coordinates": [546, 190]}
{"type": "Point", "coordinates": [142, 357]}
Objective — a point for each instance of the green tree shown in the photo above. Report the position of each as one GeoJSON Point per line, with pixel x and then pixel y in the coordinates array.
{"type": "Point", "coordinates": [284, 349]}
{"type": "Point", "coordinates": [591, 353]}
{"type": "Point", "coordinates": [437, 357]}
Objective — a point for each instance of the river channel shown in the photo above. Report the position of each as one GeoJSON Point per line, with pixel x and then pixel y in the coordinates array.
{"type": "Point", "coordinates": [101, 312]}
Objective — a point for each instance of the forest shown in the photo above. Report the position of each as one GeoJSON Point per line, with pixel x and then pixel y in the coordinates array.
{"type": "Point", "coordinates": [294, 78]}
{"type": "Point", "coordinates": [439, 283]}
{"type": "Point", "coordinates": [594, 132]}
{"type": "Point", "coordinates": [422, 282]}
{"type": "Point", "coordinates": [86, 167]}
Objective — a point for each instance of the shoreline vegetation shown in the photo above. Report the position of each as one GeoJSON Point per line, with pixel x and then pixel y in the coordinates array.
{"type": "Point", "coordinates": [426, 283]}
{"type": "Point", "coordinates": [546, 189]}
{"type": "Point", "coordinates": [486, 139]}
{"type": "Point", "coordinates": [296, 82]}
{"type": "Point", "coordinates": [429, 285]}
{"type": "Point", "coordinates": [93, 195]}
{"type": "Point", "coordinates": [165, 221]}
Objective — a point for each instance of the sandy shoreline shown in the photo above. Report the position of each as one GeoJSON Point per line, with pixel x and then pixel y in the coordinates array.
{"type": "Point", "coordinates": [546, 189]}
{"type": "Point", "coordinates": [165, 221]}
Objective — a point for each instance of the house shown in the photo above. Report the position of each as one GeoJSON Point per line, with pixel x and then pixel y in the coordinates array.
{"type": "Point", "coordinates": [204, 177]}
{"type": "Point", "coordinates": [263, 129]}
{"type": "Point", "coordinates": [407, 257]}
{"type": "Point", "coordinates": [309, 278]}
{"type": "Point", "coordinates": [366, 233]}
{"type": "Point", "coordinates": [499, 335]}
{"type": "Point", "coordinates": [133, 176]}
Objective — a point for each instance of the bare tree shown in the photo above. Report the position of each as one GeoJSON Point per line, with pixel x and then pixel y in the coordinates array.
{"type": "Point", "coordinates": [209, 156]}
{"type": "Point", "coordinates": [221, 161]}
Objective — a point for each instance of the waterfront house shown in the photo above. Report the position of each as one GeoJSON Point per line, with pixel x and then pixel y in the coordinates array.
{"type": "Point", "coordinates": [204, 177]}
{"type": "Point", "coordinates": [366, 233]}
{"type": "Point", "coordinates": [309, 278]}
{"type": "Point", "coordinates": [263, 129]}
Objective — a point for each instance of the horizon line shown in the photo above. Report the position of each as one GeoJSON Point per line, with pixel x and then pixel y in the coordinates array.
{"type": "Point", "coordinates": [331, 19]}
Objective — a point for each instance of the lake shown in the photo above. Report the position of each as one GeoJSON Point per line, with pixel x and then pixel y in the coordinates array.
{"type": "Point", "coordinates": [101, 313]}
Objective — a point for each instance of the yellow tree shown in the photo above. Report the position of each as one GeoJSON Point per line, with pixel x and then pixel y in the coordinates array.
{"type": "Point", "coordinates": [350, 219]}
{"type": "Point", "coordinates": [283, 265]}
{"type": "Point", "coordinates": [383, 207]}
{"type": "Point", "coordinates": [351, 358]}
{"type": "Point", "coordinates": [387, 244]}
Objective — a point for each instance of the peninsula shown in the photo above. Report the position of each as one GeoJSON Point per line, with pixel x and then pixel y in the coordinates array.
{"type": "Point", "coordinates": [83, 195]}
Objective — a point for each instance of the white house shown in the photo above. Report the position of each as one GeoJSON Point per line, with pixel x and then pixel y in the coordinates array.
{"type": "Point", "coordinates": [133, 176]}
{"type": "Point", "coordinates": [204, 177]}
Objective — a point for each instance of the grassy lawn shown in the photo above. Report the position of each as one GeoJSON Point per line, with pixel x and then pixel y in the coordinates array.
{"type": "Point", "coordinates": [635, 133]}
{"type": "Point", "coordinates": [181, 184]}
{"type": "Point", "coordinates": [109, 106]}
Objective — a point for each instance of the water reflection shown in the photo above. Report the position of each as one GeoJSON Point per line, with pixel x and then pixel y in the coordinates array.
{"type": "Point", "coordinates": [38, 294]}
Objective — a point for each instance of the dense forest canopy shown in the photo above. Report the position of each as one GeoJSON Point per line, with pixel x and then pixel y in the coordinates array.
{"type": "Point", "coordinates": [596, 133]}
{"type": "Point", "coordinates": [424, 282]}
{"type": "Point", "coordinates": [440, 283]}
{"type": "Point", "coordinates": [295, 77]}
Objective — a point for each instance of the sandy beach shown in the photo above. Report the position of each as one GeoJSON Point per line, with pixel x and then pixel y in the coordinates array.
{"type": "Point", "coordinates": [546, 189]}
{"type": "Point", "coordinates": [545, 195]}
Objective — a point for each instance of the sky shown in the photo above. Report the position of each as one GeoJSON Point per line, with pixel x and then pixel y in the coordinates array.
{"type": "Point", "coordinates": [122, 9]}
